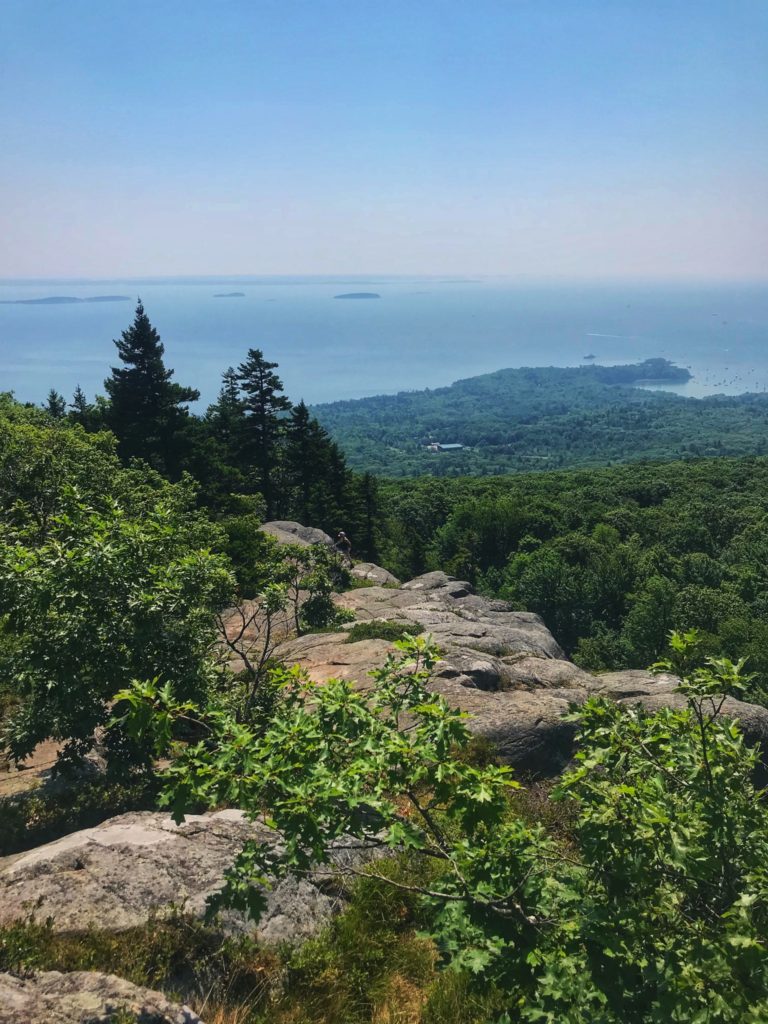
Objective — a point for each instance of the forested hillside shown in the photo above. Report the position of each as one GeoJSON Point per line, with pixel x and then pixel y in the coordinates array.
{"type": "Point", "coordinates": [522, 420]}
{"type": "Point", "coordinates": [612, 559]}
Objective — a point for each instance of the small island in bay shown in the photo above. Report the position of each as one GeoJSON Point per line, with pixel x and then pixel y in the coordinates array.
{"type": "Point", "coordinates": [358, 295]}
{"type": "Point", "coordinates": [229, 295]}
{"type": "Point", "coordinates": [63, 300]}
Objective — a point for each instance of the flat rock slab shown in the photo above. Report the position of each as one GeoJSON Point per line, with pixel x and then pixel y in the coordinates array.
{"type": "Point", "coordinates": [327, 656]}
{"type": "Point", "coordinates": [85, 997]}
{"type": "Point", "coordinates": [503, 667]}
{"type": "Point", "coordinates": [455, 616]}
{"type": "Point", "coordinates": [633, 682]}
{"type": "Point", "coordinates": [139, 865]}
{"type": "Point", "coordinates": [285, 531]}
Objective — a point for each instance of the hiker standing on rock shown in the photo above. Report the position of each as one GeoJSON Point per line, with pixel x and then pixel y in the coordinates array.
{"type": "Point", "coordinates": [344, 545]}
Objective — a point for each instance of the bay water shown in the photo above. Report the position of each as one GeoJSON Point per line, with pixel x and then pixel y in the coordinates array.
{"type": "Point", "coordinates": [421, 332]}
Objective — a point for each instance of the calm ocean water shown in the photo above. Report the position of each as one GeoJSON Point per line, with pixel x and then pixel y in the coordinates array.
{"type": "Point", "coordinates": [420, 333]}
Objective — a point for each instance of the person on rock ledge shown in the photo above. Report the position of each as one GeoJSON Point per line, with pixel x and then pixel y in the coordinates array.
{"type": "Point", "coordinates": [344, 545]}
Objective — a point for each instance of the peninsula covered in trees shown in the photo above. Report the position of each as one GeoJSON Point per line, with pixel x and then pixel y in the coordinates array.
{"type": "Point", "coordinates": [534, 418]}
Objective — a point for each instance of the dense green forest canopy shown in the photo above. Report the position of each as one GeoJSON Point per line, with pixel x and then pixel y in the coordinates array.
{"type": "Point", "coordinates": [612, 559]}
{"type": "Point", "coordinates": [521, 420]}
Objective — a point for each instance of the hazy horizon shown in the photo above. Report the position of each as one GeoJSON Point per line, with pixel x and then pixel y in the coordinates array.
{"type": "Point", "coordinates": [422, 332]}
{"type": "Point", "coordinates": [547, 140]}
{"type": "Point", "coordinates": [466, 277]}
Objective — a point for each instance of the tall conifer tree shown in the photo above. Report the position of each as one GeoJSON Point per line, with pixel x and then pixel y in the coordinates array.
{"type": "Point", "coordinates": [147, 411]}
{"type": "Point", "coordinates": [308, 465]}
{"type": "Point", "coordinates": [227, 416]}
{"type": "Point", "coordinates": [367, 489]}
{"type": "Point", "coordinates": [263, 403]}
{"type": "Point", "coordinates": [55, 405]}
{"type": "Point", "coordinates": [83, 412]}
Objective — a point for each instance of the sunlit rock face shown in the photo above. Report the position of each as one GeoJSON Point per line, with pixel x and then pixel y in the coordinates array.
{"type": "Point", "coordinates": [141, 865]}
{"type": "Point", "coordinates": [503, 667]}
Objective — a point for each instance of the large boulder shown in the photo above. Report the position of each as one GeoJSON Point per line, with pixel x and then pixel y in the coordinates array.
{"type": "Point", "coordinates": [527, 730]}
{"type": "Point", "coordinates": [142, 865]}
{"type": "Point", "coordinates": [369, 572]}
{"type": "Point", "coordinates": [285, 531]}
{"type": "Point", "coordinates": [501, 666]}
{"type": "Point", "coordinates": [85, 997]}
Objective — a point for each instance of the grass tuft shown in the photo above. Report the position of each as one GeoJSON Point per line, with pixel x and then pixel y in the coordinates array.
{"type": "Point", "coordinates": [382, 629]}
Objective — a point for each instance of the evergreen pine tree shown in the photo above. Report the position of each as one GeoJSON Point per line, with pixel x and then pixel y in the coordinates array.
{"type": "Point", "coordinates": [308, 463]}
{"type": "Point", "coordinates": [227, 416]}
{"type": "Point", "coordinates": [263, 403]}
{"type": "Point", "coordinates": [147, 411]}
{"type": "Point", "coordinates": [369, 502]}
{"type": "Point", "coordinates": [82, 411]}
{"type": "Point", "coordinates": [302, 459]}
{"type": "Point", "coordinates": [79, 405]}
{"type": "Point", "coordinates": [217, 458]}
{"type": "Point", "coordinates": [55, 405]}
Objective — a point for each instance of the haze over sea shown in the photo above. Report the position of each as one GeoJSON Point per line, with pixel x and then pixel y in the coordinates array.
{"type": "Point", "coordinates": [421, 332]}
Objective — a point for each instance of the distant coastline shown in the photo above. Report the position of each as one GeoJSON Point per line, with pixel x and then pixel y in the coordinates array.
{"type": "Point", "coordinates": [410, 341]}
{"type": "Point", "coordinates": [64, 300]}
{"type": "Point", "coordinates": [358, 295]}
{"type": "Point", "coordinates": [229, 295]}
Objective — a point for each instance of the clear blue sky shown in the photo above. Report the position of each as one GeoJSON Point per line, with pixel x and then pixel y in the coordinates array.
{"type": "Point", "coordinates": [545, 138]}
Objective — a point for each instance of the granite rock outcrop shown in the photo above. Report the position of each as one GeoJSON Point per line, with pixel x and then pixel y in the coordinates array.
{"type": "Point", "coordinates": [503, 667]}
{"type": "Point", "coordinates": [85, 997]}
{"type": "Point", "coordinates": [141, 865]}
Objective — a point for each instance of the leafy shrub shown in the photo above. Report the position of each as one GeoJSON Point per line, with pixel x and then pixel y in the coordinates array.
{"type": "Point", "coordinates": [105, 598]}
{"type": "Point", "coordinates": [382, 629]}
{"type": "Point", "coordinates": [654, 907]}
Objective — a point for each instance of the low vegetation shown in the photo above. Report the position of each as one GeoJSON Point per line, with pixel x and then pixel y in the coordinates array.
{"type": "Point", "coordinates": [382, 629]}
{"type": "Point", "coordinates": [654, 908]}
{"type": "Point", "coordinates": [372, 963]}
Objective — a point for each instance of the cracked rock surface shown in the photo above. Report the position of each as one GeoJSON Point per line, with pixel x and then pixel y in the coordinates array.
{"type": "Point", "coordinates": [503, 667]}
{"type": "Point", "coordinates": [85, 997]}
{"type": "Point", "coordinates": [139, 865]}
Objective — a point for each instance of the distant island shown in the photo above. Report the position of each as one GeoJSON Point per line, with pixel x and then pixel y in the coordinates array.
{"type": "Point", "coordinates": [358, 295]}
{"type": "Point", "coordinates": [63, 300]}
{"type": "Point", "coordinates": [229, 295]}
